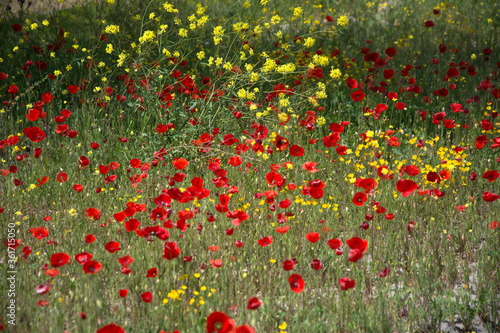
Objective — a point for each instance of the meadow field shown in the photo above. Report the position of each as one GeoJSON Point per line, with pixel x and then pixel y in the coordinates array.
{"type": "Point", "coordinates": [249, 166]}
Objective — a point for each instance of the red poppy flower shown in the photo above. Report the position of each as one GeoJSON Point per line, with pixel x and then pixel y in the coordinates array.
{"type": "Point", "coordinates": [180, 163]}
{"type": "Point", "coordinates": [39, 233]}
{"type": "Point", "coordinates": [111, 328]}
{"type": "Point", "coordinates": [42, 181]}
{"type": "Point", "coordinates": [354, 255]}
{"type": "Point", "coordinates": [359, 199]}
{"type": "Point", "coordinates": [83, 162]}
{"type": "Point", "coordinates": [358, 95]}
{"type": "Point", "coordinates": [123, 292]}
{"type": "Point", "coordinates": [391, 52]}
{"type": "Point", "coordinates": [112, 247]}
{"type": "Point", "coordinates": [282, 230]}
{"type": "Point", "coordinates": [253, 303]}
{"type": "Point", "coordinates": [62, 177]}
{"type": "Point", "coordinates": [495, 92]}
{"type": "Point", "coordinates": [59, 259]}
{"type": "Point", "coordinates": [358, 243]}
{"type": "Point", "coordinates": [244, 329]}
{"type": "Point", "coordinates": [334, 243]}
{"type": "Point", "coordinates": [491, 175]}
{"type": "Point", "coordinates": [92, 267]}
{"type": "Point", "coordinates": [429, 24]}
{"type": "Point", "coordinates": [47, 97]}
{"type": "Point", "coordinates": [42, 289]}
{"type": "Point", "coordinates": [35, 134]}
{"type": "Point", "coordinates": [481, 141]}
{"type": "Point", "coordinates": [235, 161]}
{"type": "Point", "coordinates": [490, 197]}
{"type": "Point", "coordinates": [89, 239]}
{"type": "Point", "coordinates": [385, 272]}
{"type": "Point", "coordinates": [296, 283]}
{"type": "Point", "coordinates": [73, 89]}
{"type": "Point", "coordinates": [125, 261]}
{"type": "Point", "coordinates": [33, 114]}
{"type": "Point", "coordinates": [374, 56]}
{"type": "Point", "coordinates": [218, 322]}
{"type": "Point", "coordinates": [368, 184]}
{"type": "Point", "coordinates": [13, 90]}
{"type": "Point", "coordinates": [288, 265]}
{"type": "Point", "coordinates": [26, 251]}
{"type": "Point", "coordinates": [103, 169]}
{"type": "Point", "coordinates": [310, 166]}
{"type": "Point", "coordinates": [120, 216]}
{"type": "Point", "coordinates": [388, 73]}
{"type": "Point", "coordinates": [93, 213]}
{"type": "Point", "coordinates": [411, 170]}
{"type": "Point", "coordinates": [17, 27]}
{"type": "Point", "coordinates": [131, 225]}
{"type": "Point", "coordinates": [346, 284]}
{"type": "Point", "coordinates": [171, 250]}
{"type": "Point", "coordinates": [313, 237]}
{"type": "Point", "coordinates": [147, 297]}
{"type": "Point", "coordinates": [352, 83]}
{"type": "Point", "coordinates": [216, 263]}
{"type": "Point", "coordinates": [296, 150]}
{"type": "Point", "coordinates": [400, 105]}
{"type": "Point", "coordinates": [265, 241]}
{"type": "Point", "coordinates": [152, 272]}
{"type": "Point", "coordinates": [83, 257]}
{"type": "Point", "coordinates": [493, 225]}
{"type": "Point", "coordinates": [406, 187]}
{"type": "Point", "coordinates": [52, 272]}
{"type": "Point", "coordinates": [42, 302]}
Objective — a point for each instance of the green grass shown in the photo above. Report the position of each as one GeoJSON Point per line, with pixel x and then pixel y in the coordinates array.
{"type": "Point", "coordinates": [444, 264]}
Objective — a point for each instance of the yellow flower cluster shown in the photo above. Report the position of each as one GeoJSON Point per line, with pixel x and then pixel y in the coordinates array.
{"type": "Point", "coordinates": [218, 34]}
{"type": "Point", "coordinates": [147, 36]}
{"type": "Point", "coordinates": [309, 42]}
{"type": "Point", "coordinates": [297, 11]}
{"type": "Point", "coordinates": [269, 65]}
{"type": "Point", "coordinates": [286, 68]}
{"type": "Point", "coordinates": [321, 94]}
{"type": "Point", "coordinates": [112, 29]}
{"type": "Point", "coordinates": [342, 21]}
{"type": "Point", "coordinates": [321, 60]}
{"type": "Point", "coordinates": [163, 28]}
{"type": "Point", "coordinates": [109, 48]}
{"type": "Point", "coordinates": [335, 73]}
{"type": "Point", "coordinates": [170, 8]}
{"type": "Point", "coordinates": [121, 59]}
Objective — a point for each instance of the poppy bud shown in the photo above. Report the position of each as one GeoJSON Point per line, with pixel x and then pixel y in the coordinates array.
{"type": "Point", "coordinates": [316, 264]}
{"type": "Point", "coordinates": [364, 226]}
